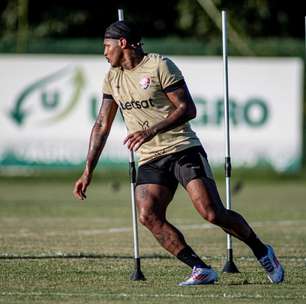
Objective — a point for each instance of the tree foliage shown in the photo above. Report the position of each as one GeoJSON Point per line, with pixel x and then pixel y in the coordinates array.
{"type": "Point", "coordinates": [184, 18]}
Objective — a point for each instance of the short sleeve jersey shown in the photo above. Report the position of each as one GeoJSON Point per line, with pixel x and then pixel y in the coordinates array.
{"type": "Point", "coordinates": [140, 94]}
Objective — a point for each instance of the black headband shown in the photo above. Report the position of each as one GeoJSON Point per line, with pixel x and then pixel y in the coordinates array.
{"type": "Point", "coordinates": [123, 29]}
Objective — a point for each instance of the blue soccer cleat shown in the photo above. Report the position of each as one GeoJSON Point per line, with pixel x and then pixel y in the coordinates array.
{"type": "Point", "coordinates": [272, 266]}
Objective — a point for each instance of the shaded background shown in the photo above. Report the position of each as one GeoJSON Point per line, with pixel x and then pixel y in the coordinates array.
{"type": "Point", "coordinates": [265, 27]}
{"type": "Point", "coordinates": [55, 249]}
{"type": "Point", "coordinates": [175, 27]}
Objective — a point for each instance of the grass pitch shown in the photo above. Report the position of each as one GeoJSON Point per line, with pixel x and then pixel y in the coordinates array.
{"type": "Point", "coordinates": [55, 249]}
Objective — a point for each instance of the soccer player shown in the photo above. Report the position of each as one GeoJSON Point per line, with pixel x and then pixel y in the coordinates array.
{"type": "Point", "coordinates": [156, 104]}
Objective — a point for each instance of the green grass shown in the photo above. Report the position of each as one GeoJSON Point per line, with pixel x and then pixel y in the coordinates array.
{"type": "Point", "coordinates": [55, 249]}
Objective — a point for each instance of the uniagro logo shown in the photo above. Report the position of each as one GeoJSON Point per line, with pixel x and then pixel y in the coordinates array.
{"type": "Point", "coordinates": [49, 99]}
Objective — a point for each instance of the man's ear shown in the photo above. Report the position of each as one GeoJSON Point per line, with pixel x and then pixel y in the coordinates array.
{"type": "Point", "coordinates": [123, 43]}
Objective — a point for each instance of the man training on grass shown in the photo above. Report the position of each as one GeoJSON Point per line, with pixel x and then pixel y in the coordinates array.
{"type": "Point", "coordinates": [157, 107]}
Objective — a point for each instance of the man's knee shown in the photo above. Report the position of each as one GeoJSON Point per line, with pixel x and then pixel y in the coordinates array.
{"type": "Point", "coordinates": [213, 214]}
{"type": "Point", "coordinates": [212, 217]}
{"type": "Point", "coordinates": [217, 216]}
{"type": "Point", "coordinates": [150, 220]}
{"type": "Point", "coordinates": [145, 218]}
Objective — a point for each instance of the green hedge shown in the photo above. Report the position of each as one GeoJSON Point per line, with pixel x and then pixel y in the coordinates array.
{"type": "Point", "coordinates": [169, 45]}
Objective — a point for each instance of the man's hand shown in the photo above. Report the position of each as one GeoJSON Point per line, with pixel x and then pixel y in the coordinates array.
{"type": "Point", "coordinates": [80, 187]}
{"type": "Point", "coordinates": [136, 139]}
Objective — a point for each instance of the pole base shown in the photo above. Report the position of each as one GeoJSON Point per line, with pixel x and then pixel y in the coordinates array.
{"type": "Point", "coordinates": [230, 267]}
{"type": "Point", "coordinates": [137, 276]}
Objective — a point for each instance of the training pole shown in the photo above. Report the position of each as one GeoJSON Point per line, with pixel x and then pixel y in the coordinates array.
{"type": "Point", "coordinates": [229, 265]}
{"type": "Point", "coordinates": [137, 274]}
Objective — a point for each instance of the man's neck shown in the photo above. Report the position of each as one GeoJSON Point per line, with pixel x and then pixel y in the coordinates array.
{"type": "Point", "coordinates": [132, 59]}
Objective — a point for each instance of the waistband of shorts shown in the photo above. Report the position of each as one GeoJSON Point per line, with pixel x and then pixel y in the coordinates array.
{"type": "Point", "coordinates": [186, 150]}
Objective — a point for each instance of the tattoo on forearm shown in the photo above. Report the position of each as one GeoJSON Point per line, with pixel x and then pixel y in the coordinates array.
{"type": "Point", "coordinates": [97, 142]}
{"type": "Point", "coordinates": [100, 132]}
{"type": "Point", "coordinates": [95, 149]}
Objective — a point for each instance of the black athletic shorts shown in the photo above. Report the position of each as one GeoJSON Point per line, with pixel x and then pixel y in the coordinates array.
{"type": "Point", "coordinates": [180, 167]}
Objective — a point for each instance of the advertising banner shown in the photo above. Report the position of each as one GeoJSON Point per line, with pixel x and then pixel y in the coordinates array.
{"type": "Point", "coordinates": [48, 105]}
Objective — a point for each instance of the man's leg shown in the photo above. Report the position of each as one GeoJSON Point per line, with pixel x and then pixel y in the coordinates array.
{"type": "Point", "coordinates": [205, 198]}
{"type": "Point", "coordinates": [152, 202]}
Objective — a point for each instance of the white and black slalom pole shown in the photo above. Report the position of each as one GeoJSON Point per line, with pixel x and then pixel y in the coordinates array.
{"type": "Point", "coordinates": [229, 266]}
{"type": "Point", "coordinates": [137, 275]}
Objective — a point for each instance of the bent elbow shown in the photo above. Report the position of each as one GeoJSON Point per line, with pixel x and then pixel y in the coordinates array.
{"type": "Point", "coordinates": [188, 112]}
{"type": "Point", "coordinates": [192, 113]}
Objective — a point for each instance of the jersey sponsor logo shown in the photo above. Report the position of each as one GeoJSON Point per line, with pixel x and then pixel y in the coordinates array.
{"type": "Point", "coordinates": [145, 82]}
{"type": "Point", "coordinates": [136, 104]}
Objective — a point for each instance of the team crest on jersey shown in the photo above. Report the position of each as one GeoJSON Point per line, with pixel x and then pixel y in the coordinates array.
{"type": "Point", "coordinates": [145, 82]}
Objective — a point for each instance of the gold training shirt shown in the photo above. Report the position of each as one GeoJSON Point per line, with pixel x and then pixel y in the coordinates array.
{"type": "Point", "coordinates": [139, 93]}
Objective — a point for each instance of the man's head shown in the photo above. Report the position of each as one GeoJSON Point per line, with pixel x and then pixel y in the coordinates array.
{"type": "Point", "coordinates": [118, 37]}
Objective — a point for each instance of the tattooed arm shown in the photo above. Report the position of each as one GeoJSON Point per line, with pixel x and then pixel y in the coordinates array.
{"type": "Point", "coordinates": [97, 141]}
{"type": "Point", "coordinates": [185, 110]}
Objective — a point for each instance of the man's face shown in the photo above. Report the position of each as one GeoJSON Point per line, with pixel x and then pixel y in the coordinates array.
{"type": "Point", "coordinates": [113, 51]}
